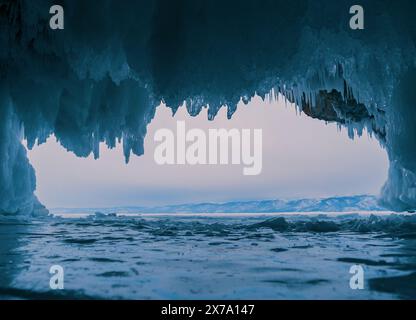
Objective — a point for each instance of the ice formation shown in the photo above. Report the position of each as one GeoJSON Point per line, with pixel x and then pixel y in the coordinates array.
{"type": "Point", "coordinates": [101, 78]}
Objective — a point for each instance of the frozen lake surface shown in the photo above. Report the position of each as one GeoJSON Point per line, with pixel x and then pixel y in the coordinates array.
{"type": "Point", "coordinates": [227, 256]}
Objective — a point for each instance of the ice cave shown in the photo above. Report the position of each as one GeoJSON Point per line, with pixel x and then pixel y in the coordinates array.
{"type": "Point", "coordinates": [102, 76]}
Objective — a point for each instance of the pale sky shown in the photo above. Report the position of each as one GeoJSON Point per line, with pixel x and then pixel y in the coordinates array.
{"type": "Point", "coordinates": [302, 157]}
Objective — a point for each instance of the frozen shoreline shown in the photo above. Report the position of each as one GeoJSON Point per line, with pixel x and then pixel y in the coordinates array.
{"type": "Point", "coordinates": [78, 213]}
{"type": "Point", "coordinates": [194, 257]}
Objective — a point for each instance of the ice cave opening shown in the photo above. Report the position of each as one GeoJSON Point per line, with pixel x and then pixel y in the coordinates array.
{"type": "Point", "coordinates": [302, 158]}
{"type": "Point", "coordinates": [100, 79]}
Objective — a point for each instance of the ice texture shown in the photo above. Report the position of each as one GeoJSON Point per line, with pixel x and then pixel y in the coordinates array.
{"type": "Point", "coordinates": [209, 257]}
{"type": "Point", "coordinates": [101, 78]}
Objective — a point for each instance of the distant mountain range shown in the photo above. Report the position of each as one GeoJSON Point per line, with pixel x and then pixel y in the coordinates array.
{"type": "Point", "coordinates": [334, 204]}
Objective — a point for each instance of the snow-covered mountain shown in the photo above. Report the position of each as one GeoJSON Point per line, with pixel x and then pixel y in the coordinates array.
{"type": "Point", "coordinates": [333, 204]}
